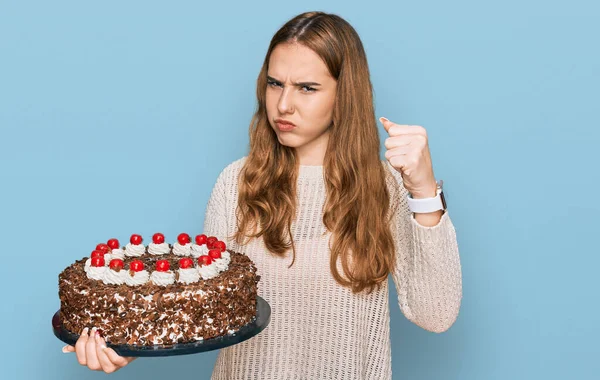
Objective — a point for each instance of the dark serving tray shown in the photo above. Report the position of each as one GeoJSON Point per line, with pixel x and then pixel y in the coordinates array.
{"type": "Point", "coordinates": [263, 317]}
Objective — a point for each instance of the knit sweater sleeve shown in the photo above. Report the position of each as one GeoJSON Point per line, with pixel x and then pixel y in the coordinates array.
{"type": "Point", "coordinates": [427, 275]}
{"type": "Point", "coordinates": [215, 217]}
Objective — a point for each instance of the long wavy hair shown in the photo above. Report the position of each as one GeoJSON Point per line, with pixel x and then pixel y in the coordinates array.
{"type": "Point", "coordinates": [357, 197]}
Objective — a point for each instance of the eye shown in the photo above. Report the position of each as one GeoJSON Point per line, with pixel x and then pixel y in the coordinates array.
{"type": "Point", "coordinates": [272, 83]}
{"type": "Point", "coordinates": [309, 89]}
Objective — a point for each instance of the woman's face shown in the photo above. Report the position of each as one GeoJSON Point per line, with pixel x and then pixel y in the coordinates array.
{"type": "Point", "coordinates": [301, 91]}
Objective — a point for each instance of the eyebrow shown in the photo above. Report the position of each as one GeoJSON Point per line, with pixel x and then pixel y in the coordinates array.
{"type": "Point", "coordinates": [294, 83]}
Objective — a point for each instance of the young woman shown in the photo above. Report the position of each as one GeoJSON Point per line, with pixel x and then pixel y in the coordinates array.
{"type": "Point", "coordinates": [325, 219]}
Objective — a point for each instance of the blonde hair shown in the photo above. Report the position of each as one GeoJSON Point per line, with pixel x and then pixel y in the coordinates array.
{"type": "Point", "coordinates": [357, 197]}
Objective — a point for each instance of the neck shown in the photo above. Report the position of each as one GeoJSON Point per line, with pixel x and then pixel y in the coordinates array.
{"type": "Point", "coordinates": [313, 153]}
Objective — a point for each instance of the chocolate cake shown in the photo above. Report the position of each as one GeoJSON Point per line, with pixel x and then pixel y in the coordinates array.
{"type": "Point", "coordinates": [159, 294]}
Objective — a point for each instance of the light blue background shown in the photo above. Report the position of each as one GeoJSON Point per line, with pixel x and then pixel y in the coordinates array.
{"type": "Point", "coordinates": [117, 117]}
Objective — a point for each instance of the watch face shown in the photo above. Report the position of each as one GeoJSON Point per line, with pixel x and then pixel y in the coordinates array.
{"type": "Point", "coordinates": [440, 186]}
{"type": "Point", "coordinates": [443, 198]}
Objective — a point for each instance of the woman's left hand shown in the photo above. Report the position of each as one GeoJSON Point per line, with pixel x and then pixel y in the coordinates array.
{"type": "Point", "coordinates": [408, 152]}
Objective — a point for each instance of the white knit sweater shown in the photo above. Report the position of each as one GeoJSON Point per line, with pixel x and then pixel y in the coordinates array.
{"type": "Point", "coordinates": [319, 329]}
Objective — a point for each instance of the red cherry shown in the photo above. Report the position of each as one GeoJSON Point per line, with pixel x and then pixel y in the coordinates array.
{"type": "Point", "coordinates": [162, 265]}
{"type": "Point", "coordinates": [210, 241]}
{"type": "Point", "coordinates": [200, 239]}
{"type": "Point", "coordinates": [97, 261]}
{"type": "Point", "coordinates": [215, 253]}
{"type": "Point", "coordinates": [136, 239]}
{"type": "Point", "coordinates": [113, 244]}
{"type": "Point", "coordinates": [220, 245]}
{"type": "Point", "coordinates": [136, 265]}
{"type": "Point", "coordinates": [186, 262]}
{"type": "Point", "coordinates": [102, 248]}
{"type": "Point", "coordinates": [96, 253]}
{"type": "Point", "coordinates": [116, 264]}
{"type": "Point", "coordinates": [204, 260]}
{"type": "Point", "coordinates": [183, 238]}
{"type": "Point", "coordinates": [158, 238]}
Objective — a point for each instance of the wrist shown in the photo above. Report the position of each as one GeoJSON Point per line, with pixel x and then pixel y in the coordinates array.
{"type": "Point", "coordinates": [420, 194]}
{"type": "Point", "coordinates": [423, 202]}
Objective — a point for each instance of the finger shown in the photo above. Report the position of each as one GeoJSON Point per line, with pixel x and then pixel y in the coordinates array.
{"type": "Point", "coordinates": [401, 162]}
{"type": "Point", "coordinates": [402, 129]}
{"type": "Point", "coordinates": [107, 365]}
{"type": "Point", "coordinates": [90, 352]}
{"type": "Point", "coordinates": [400, 151]}
{"type": "Point", "coordinates": [386, 123]}
{"type": "Point", "coordinates": [396, 141]}
{"type": "Point", "coordinates": [68, 348]}
{"type": "Point", "coordinates": [116, 359]}
{"type": "Point", "coordinates": [80, 346]}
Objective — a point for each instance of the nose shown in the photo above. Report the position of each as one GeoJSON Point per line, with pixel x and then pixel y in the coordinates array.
{"type": "Point", "coordinates": [285, 104]}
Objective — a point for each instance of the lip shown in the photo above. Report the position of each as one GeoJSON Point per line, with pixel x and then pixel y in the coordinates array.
{"type": "Point", "coordinates": [284, 125]}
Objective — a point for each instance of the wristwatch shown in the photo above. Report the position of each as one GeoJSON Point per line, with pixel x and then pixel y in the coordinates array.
{"type": "Point", "coordinates": [425, 205]}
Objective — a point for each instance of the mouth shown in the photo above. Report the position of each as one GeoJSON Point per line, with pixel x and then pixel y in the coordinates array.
{"type": "Point", "coordinates": [284, 125]}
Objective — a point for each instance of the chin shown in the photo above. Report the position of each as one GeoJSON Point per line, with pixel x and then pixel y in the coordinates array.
{"type": "Point", "coordinates": [288, 141]}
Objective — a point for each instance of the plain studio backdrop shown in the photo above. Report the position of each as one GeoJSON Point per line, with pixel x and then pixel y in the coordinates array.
{"type": "Point", "coordinates": [116, 118]}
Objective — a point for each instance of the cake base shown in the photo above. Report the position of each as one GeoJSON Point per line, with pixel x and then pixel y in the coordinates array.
{"type": "Point", "coordinates": [263, 317]}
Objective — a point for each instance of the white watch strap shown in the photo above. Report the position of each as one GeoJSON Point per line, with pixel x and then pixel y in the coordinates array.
{"type": "Point", "coordinates": [425, 205]}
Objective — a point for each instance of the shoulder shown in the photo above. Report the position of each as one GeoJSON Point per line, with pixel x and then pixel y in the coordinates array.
{"type": "Point", "coordinates": [231, 171]}
{"type": "Point", "coordinates": [236, 165]}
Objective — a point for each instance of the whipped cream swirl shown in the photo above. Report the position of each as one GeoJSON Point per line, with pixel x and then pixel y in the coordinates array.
{"type": "Point", "coordinates": [138, 278]}
{"type": "Point", "coordinates": [188, 275]}
{"type": "Point", "coordinates": [134, 250]}
{"type": "Point", "coordinates": [222, 263]}
{"type": "Point", "coordinates": [88, 265]}
{"type": "Point", "coordinates": [114, 277]}
{"type": "Point", "coordinates": [182, 250]}
{"type": "Point", "coordinates": [199, 250]}
{"type": "Point", "coordinates": [208, 271]}
{"type": "Point", "coordinates": [117, 253]}
{"type": "Point", "coordinates": [109, 256]}
{"type": "Point", "coordinates": [158, 249]}
{"type": "Point", "coordinates": [96, 273]}
{"type": "Point", "coordinates": [162, 278]}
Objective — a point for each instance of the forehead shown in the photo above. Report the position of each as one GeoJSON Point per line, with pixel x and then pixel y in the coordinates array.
{"type": "Point", "coordinates": [296, 62]}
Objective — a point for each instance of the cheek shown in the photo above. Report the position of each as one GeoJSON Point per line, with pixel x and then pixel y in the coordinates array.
{"type": "Point", "coordinates": [320, 108]}
{"type": "Point", "coordinates": [269, 101]}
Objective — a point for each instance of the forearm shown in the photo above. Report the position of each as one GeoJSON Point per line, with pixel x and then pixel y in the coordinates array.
{"type": "Point", "coordinates": [427, 274]}
{"type": "Point", "coordinates": [433, 276]}
{"type": "Point", "coordinates": [429, 219]}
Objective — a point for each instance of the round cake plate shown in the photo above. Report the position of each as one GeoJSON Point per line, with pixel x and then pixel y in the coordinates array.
{"type": "Point", "coordinates": [263, 317]}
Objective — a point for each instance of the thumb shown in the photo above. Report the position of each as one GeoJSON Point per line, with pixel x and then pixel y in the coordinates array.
{"type": "Point", "coordinates": [66, 349]}
{"type": "Point", "coordinates": [386, 123]}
